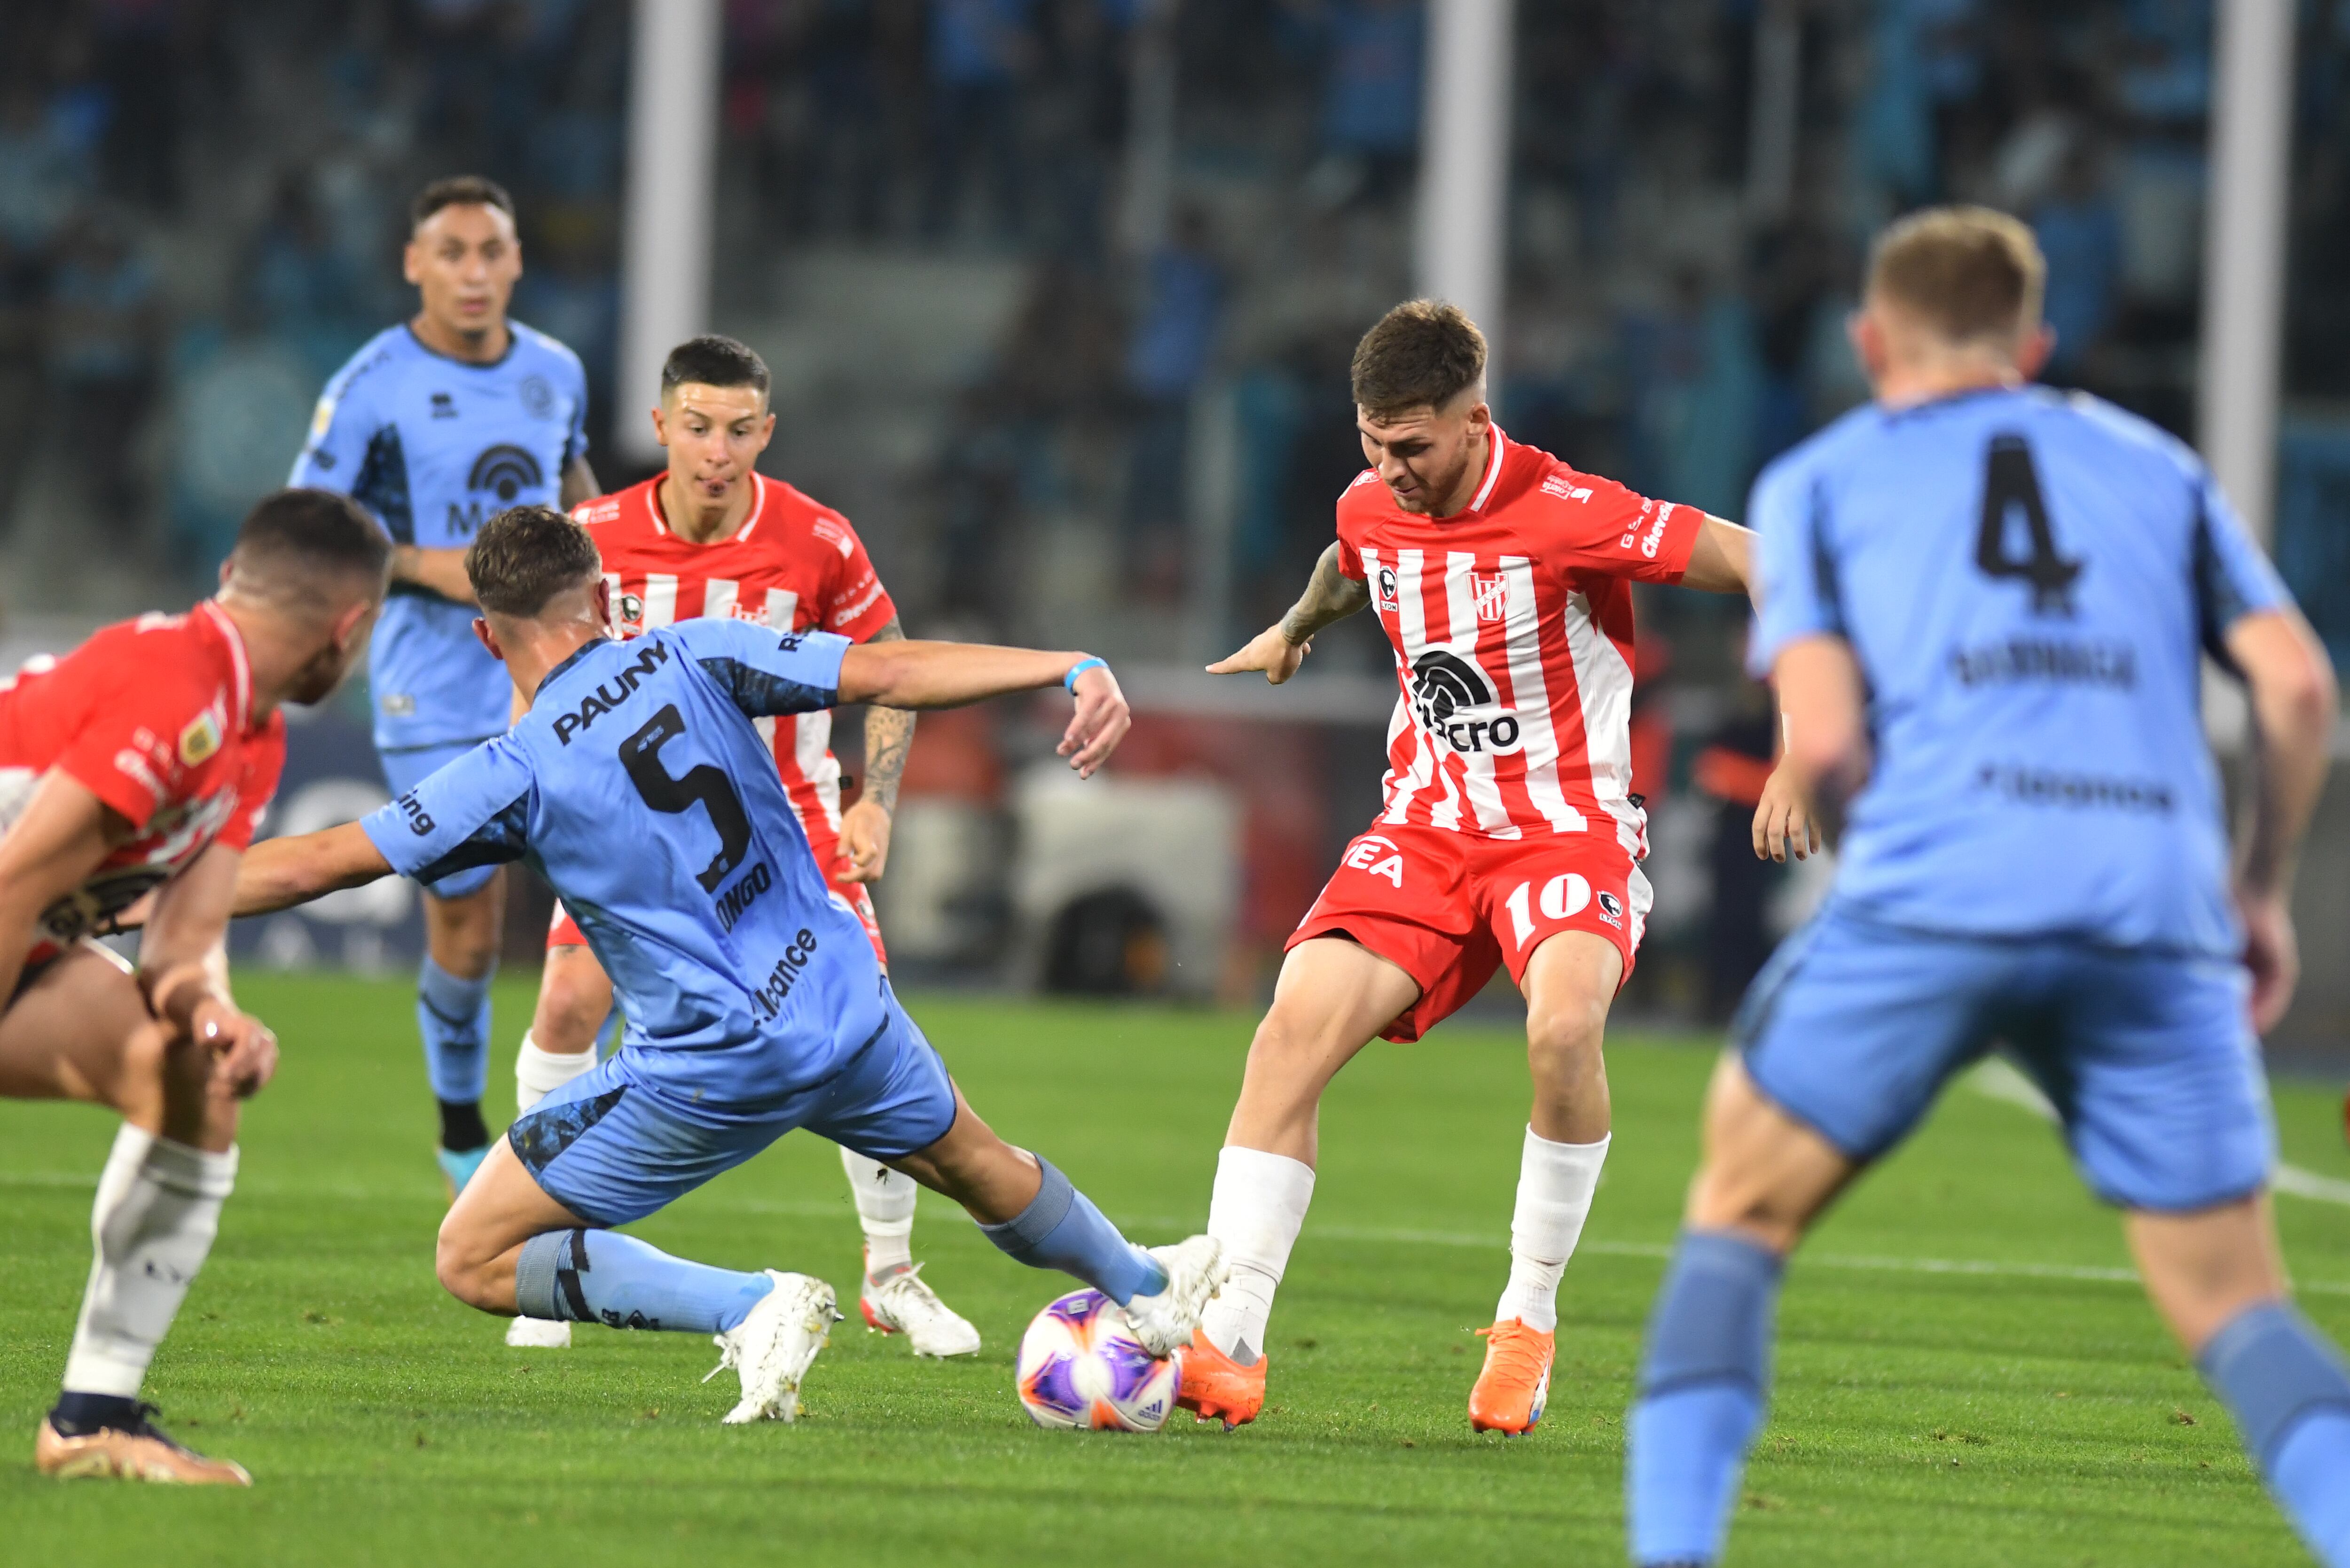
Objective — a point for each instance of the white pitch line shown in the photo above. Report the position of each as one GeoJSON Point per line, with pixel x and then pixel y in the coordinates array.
{"type": "Point", "coordinates": [1999, 1079]}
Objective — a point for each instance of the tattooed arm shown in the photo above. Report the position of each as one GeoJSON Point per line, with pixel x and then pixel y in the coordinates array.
{"type": "Point", "coordinates": [1330, 595]}
{"type": "Point", "coordinates": [865, 826]}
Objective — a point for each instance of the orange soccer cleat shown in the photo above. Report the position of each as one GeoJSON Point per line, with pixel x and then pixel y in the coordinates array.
{"type": "Point", "coordinates": [1216, 1387]}
{"type": "Point", "coordinates": [1515, 1385]}
{"type": "Point", "coordinates": [132, 1453]}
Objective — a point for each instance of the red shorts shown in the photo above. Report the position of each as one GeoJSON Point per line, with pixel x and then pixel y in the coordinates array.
{"type": "Point", "coordinates": [564, 931]}
{"type": "Point", "coordinates": [1449, 908]}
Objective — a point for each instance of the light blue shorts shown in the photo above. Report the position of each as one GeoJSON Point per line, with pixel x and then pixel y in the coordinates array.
{"type": "Point", "coordinates": [1854, 1027]}
{"type": "Point", "coordinates": [605, 1149]}
{"type": "Point", "coordinates": [405, 769]}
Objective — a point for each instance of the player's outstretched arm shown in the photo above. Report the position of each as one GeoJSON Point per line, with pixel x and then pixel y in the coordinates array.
{"type": "Point", "coordinates": [279, 873]}
{"type": "Point", "coordinates": [183, 973]}
{"type": "Point", "coordinates": [2293, 704]}
{"type": "Point", "coordinates": [1826, 757]}
{"type": "Point", "coordinates": [907, 674]}
{"type": "Point", "coordinates": [1330, 597]}
{"type": "Point", "coordinates": [442, 571]}
{"type": "Point", "coordinates": [1723, 559]}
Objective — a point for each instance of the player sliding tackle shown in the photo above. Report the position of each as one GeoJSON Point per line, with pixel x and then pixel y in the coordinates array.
{"type": "Point", "coordinates": [138, 764]}
{"type": "Point", "coordinates": [639, 786]}
{"type": "Point", "coordinates": [1509, 835]}
{"type": "Point", "coordinates": [1984, 606]}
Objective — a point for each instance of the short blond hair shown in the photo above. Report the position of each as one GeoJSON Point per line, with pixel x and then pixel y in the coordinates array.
{"type": "Point", "coordinates": [1969, 275]}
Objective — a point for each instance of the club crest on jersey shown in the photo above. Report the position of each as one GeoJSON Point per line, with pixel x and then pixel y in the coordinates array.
{"type": "Point", "coordinates": [1386, 580]}
{"type": "Point", "coordinates": [1611, 908]}
{"type": "Point", "coordinates": [1451, 699]}
{"type": "Point", "coordinates": [1491, 590]}
{"type": "Point", "coordinates": [202, 738]}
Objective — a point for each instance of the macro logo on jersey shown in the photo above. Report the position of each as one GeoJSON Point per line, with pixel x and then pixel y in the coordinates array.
{"type": "Point", "coordinates": [1451, 699]}
{"type": "Point", "coordinates": [504, 472]}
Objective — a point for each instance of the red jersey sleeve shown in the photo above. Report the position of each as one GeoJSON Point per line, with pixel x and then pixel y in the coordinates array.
{"type": "Point", "coordinates": [264, 760]}
{"type": "Point", "coordinates": [135, 735]}
{"type": "Point", "coordinates": [1350, 554]}
{"type": "Point", "coordinates": [855, 603]}
{"type": "Point", "coordinates": [1597, 526]}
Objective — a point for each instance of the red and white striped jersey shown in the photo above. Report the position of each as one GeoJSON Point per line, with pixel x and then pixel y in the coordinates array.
{"type": "Point", "coordinates": [1512, 623]}
{"type": "Point", "coordinates": [794, 565]}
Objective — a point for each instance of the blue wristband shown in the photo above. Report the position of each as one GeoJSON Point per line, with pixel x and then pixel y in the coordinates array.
{"type": "Point", "coordinates": [1079, 668]}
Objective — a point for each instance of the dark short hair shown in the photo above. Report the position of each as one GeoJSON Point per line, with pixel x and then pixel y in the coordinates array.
{"type": "Point", "coordinates": [524, 557]}
{"type": "Point", "coordinates": [297, 537]}
{"type": "Point", "coordinates": [711, 360]}
{"type": "Point", "coordinates": [1422, 354]}
{"type": "Point", "coordinates": [458, 190]}
{"type": "Point", "coordinates": [1970, 274]}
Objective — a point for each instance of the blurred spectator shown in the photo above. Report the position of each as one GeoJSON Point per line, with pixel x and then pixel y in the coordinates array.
{"type": "Point", "coordinates": [570, 289]}
{"type": "Point", "coordinates": [1076, 113]}
{"type": "Point", "coordinates": [1370, 96]}
{"type": "Point", "coordinates": [45, 172]}
{"type": "Point", "coordinates": [1732, 769]}
{"type": "Point", "coordinates": [105, 316]}
{"type": "Point", "coordinates": [23, 285]}
{"type": "Point", "coordinates": [2080, 232]}
{"type": "Point", "coordinates": [296, 279]}
{"type": "Point", "coordinates": [137, 49]}
{"type": "Point", "coordinates": [980, 51]}
{"type": "Point", "coordinates": [1174, 333]}
{"type": "Point", "coordinates": [1698, 380]}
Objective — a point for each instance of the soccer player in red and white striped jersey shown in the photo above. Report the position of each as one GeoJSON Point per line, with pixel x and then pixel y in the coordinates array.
{"type": "Point", "coordinates": [710, 536]}
{"type": "Point", "coordinates": [1508, 836]}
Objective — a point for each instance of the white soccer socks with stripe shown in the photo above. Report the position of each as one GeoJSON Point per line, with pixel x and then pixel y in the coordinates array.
{"type": "Point", "coordinates": [1556, 1181]}
{"type": "Point", "coordinates": [538, 1073]}
{"type": "Point", "coordinates": [1257, 1209]}
{"type": "Point", "coordinates": [885, 1206]}
{"type": "Point", "coordinates": [158, 1209]}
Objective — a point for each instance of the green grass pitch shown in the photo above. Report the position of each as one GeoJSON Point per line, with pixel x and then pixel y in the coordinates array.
{"type": "Point", "coordinates": [2026, 1410]}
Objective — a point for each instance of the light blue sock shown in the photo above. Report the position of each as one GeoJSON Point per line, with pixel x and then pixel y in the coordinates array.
{"type": "Point", "coordinates": [454, 1016]}
{"type": "Point", "coordinates": [1061, 1229]}
{"type": "Point", "coordinates": [2290, 1394]}
{"type": "Point", "coordinates": [1704, 1374]}
{"type": "Point", "coordinates": [603, 1276]}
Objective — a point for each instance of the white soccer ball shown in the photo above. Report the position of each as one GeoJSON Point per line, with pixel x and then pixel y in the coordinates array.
{"type": "Point", "coordinates": [1080, 1366]}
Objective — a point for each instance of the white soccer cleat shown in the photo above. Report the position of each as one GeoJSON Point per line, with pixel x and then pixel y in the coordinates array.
{"type": "Point", "coordinates": [538, 1334]}
{"type": "Point", "coordinates": [771, 1349]}
{"type": "Point", "coordinates": [1196, 1271]}
{"type": "Point", "coordinates": [903, 1303]}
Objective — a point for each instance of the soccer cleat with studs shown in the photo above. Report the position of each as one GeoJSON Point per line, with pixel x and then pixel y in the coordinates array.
{"type": "Point", "coordinates": [538, 1334]}
{"type": "Point", "coordinates": [772, 1349]}
{"type": "Point", "coordinates": [141, 1452]}
{"type": "Point", "coordinates": [902, 1302]}
{"type": "Point", "coordinates": [1516, 1383]}
{"type": "Point", "coordinates": [1218, 1389]}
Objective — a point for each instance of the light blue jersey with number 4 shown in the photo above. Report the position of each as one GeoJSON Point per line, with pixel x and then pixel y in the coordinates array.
{"type": "Point", "coordinates": [639, 788]}
{"type": "Point", "coordinates": [2028, 580]}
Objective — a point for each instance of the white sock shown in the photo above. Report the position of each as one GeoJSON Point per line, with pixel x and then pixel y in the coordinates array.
{"type": "Point", "coordinates": [1258, 1207]}
{"type": "Point", "coordinates": [885, 1206]}
{"type": "Point", "coordinates": [1556, 1181]}
{"type": "Point", "coordinates": [538, 1073]}
{"type": "Point", "coordinates": [158, 1209]}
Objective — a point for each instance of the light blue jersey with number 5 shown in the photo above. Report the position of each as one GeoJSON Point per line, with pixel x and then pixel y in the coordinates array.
{"type": "Point", "coordinates": [2028, 580]}
{"type": "Point", "coordinates": [639, 787]}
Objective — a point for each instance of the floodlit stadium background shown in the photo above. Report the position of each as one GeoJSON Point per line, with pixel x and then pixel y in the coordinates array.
{"type": "Point", "coordinates": [1059, 295]}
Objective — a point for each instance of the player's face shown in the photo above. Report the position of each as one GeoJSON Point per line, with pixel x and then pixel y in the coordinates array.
{"type": "Point", "coordinates": [1424, 456]}
{"type": "Point", "coordinates": [327, 668]}
{"type": "Point", "coordinates": [463, 260]}
{"type": "Point", "coordinates": [715, 436]}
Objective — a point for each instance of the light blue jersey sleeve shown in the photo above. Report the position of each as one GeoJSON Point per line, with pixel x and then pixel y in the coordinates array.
{"type": "Point", "coordinates": [764, 674]}
{"type": "Point", "coordinates": [344, 425]}
{"type": "Point", "coordinates": [473, 812]}
{"type": "Point", "coordinates": [2233, 578]}
{"type": "Point", "coordinates": [1796, 572]}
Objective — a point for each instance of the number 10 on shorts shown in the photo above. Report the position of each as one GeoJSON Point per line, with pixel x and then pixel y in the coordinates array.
{"type": "Point", "coordinates": [1562, 897]}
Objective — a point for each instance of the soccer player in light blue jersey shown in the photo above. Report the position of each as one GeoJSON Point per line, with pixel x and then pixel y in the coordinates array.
{"type": "Point", "coordinates": [1985, 606]}
{"type": "Point", "coordinates": [456, 413]}
{"type": "Point", "coordinates": [640, 786]}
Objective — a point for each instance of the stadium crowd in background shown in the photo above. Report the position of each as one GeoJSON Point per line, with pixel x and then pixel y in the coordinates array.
{"type": "Point", "coordinates": [194, 231]}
